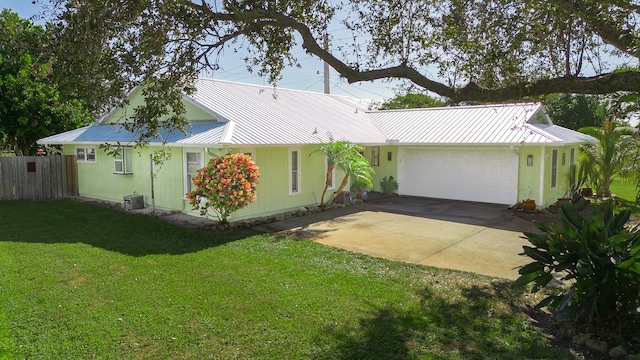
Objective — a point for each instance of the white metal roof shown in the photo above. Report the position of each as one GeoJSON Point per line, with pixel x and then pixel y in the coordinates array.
{"type": "Point", "coordinates": [258, 115]}
{"type": "Point", "coordinates": [507, 124]}
{"type": "Point", "coordinates": [267, 116]}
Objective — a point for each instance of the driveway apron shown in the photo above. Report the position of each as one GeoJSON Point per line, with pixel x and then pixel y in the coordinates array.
{"type": "Point", "coordinates": [480, 238]}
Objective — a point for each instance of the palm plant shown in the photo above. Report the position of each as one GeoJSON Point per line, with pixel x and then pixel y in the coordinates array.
{"type": "Point", "coordinates": [347, 157]}
{"type": "Point", "coordinates": [602, 162]}
{"type": "Point", "coordinates": [334, 151]}
{"type": "Point", "coordinates": [356, 167]}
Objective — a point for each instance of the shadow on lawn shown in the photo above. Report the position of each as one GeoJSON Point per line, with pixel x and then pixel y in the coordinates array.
{"type": "Point", "coordinates": [470, 327]}
{"type": "Point", "coordinates": [67, 221]}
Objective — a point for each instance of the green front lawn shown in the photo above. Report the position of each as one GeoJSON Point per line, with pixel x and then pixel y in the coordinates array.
{"type": "Point", "coordinates": [625, 191]}
{"type": "Point", "coordinates": [79, 281]}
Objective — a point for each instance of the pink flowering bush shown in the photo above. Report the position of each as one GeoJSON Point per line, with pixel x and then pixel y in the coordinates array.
{"type": "Point", "coordinates": [225, 185]}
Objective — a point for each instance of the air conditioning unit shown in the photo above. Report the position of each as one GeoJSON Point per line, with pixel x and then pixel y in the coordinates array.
{"type": "Point", "coordinates": [343, 198]}
{"type": "Point", "coordinates": [133, 202]}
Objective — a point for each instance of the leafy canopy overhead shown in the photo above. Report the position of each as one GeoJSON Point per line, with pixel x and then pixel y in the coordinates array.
{"type": "Point", "coordinates": [31, 106]}
{"type": "Point", "coordinates": [476, 50]}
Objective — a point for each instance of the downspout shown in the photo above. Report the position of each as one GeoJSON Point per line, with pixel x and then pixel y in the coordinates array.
{"type": "Point", "coordinates": [541, 191]}
{"type": "Point", "coordinates": [153, 195]}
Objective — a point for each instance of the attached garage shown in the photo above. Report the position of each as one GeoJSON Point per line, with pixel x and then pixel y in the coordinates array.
{"type": "Point", "coordinates": [487, 175]}
{"type": "Point", "coordinates": [499, 154]}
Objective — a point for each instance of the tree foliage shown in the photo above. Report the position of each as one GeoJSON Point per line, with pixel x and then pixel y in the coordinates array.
{"type": "Point", "coordinates": [411, 101]}
{"type": "Point", "coordinates": [616, 152]}
{"type": "Point", "coordinates": [357, 168]}
{"type": "Point", "coordinates": [575, 111]}
{"type": "Point", "coordinates": [31, 106]}
{"type": "Point", "coordinates": [225, 185]}
{"type": "Point", "coordinates": [354, 165]}
{"type": "Point", "coordinates": [335, 153]}
{"type": "Point", "coordinates": [477, 50]}
{"type": "Point", "coordinates": [347, 157]}
{"type": "Point", "coordinates": [598, 257]}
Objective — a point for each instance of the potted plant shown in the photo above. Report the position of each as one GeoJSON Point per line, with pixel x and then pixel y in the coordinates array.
{"type": "Point", "coordinates": [388, 185]}
{"type": "Point", "coordinates": [528, 203]}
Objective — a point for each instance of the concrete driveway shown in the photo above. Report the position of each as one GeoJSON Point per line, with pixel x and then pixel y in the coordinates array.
{"type": "Point", "coordinates": [480, 238]}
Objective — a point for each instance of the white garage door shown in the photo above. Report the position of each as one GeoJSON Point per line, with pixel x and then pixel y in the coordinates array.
{"type": "Point", "coordinates": [482, 175]}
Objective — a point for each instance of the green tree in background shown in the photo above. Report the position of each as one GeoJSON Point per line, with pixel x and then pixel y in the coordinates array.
{"type": "Point", "coordinates": [31, 106]}
{"type": "Point", "coordinates": [412, 101]}
{"type": "Point", "coordinates": [574, 111]}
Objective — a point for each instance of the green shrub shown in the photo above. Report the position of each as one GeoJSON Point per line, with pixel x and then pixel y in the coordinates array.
{"type": "Point", "coordinates": [226, 184]}
{"type": "Point", "coordinates": [388, 184]}
{"type": "Point", "coordinates": [598, 257]}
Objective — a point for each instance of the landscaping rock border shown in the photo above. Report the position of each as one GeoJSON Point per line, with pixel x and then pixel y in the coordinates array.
{"type": "Point", "coordinates": [202, 223]}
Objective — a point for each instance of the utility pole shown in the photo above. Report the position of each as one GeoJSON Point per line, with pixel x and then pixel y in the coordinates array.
{"type": "Point", "coordinates": [327, 90]}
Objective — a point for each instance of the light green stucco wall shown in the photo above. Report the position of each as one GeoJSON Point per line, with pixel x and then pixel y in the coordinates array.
{"type": "Point", "coordinates": [386, 167]}
{"type": "Point", "coordinates": [136, 99]}
{"type": "Point", "coordinates": [273, 190]}
{"type": "Point", "coordinates": [535, 181]}
{"type": "Point", "coordinates": [98, 180]}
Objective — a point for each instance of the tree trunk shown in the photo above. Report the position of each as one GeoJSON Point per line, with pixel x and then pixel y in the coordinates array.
{"type": "Point", "coordinates": [342, 186]}
{"type": "Point", "coordinates": [327, 182]}
{"type": "Point", "coordinates": [15, 147]}
{"type": "Point", "coordinates": [605, 190]}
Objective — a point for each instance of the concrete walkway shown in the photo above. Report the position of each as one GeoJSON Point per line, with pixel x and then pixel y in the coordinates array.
{"type": "Point", "coordinates": [480, 238]}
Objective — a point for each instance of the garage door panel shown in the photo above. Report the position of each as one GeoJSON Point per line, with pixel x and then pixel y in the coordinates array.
{"type": "Point", "coordinates": [483, 175]}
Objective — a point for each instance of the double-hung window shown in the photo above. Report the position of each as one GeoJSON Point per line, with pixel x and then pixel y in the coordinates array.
{"type": "Point", "coordinates": [294, 172]}
{"type": "Point", "coordinates": [122, 161]}
{"type": "Point", "coordinates": [193, 163]}
{"type": "Point", "coordinates": [86, 154]}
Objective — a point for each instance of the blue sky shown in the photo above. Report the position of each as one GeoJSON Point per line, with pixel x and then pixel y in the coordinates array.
{"type": "Point", "coordinates": [309, 77]}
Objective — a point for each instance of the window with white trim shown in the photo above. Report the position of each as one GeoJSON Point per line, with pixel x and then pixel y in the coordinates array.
{"type": "Point", "coordinates": [86, 154]}
{"type": "Point", "coordinates": [294, 172]}
{"type": "Point", "coordinates": [193, 163]}
{"type": "Point", "coordinates": [332, 179]}
{"type": "Point", "coordinates": [554, 168]}
{"type": "Point", "coordinates": [122, 161]}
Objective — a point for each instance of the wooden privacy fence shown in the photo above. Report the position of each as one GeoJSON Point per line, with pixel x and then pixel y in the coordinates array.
{"type": "Point", "coordinates": [38, 177]}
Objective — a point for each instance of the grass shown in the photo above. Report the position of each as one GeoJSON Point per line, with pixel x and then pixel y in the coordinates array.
{"type": "Point", "coordinates": [626, 191]}
{"type": "Point", "coordinates": [79, 281]}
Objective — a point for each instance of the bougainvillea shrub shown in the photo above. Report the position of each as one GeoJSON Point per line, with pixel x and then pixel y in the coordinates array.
{"type": "Point", "coordinates": [226, 184]}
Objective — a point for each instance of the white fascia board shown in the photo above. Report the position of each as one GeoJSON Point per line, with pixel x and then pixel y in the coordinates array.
{"type": "Point", "coordinates": [543, 133]}
{"type": "Point", "coordinates": [203, 145]}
